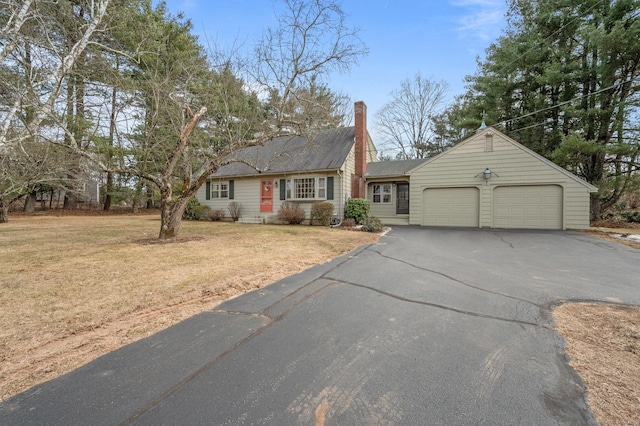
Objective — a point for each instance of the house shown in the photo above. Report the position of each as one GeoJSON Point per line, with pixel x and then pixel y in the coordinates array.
{"type": "Point", "coordinates": [328, 166]}
{"type": "Point", "coordinates": [488, 181]}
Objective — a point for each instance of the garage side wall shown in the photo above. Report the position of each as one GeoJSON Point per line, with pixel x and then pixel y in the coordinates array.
{"type": "Point", "coordinates": [511, 165]}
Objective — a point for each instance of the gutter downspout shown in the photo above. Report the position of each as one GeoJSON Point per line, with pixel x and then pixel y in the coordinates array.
{"type": "Point", "coordinates": [340, 203]}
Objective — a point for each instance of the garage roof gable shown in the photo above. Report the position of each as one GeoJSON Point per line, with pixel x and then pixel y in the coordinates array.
{"type": "Point", "coordinates": [479, 138]}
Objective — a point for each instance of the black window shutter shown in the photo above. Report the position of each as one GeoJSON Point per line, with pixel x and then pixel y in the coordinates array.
{"type": "Point", "coordinates": [283, 189]}
{"type": "Point", "coordinates": [208, 189]}
{"type": "Point", "coordinates": [330, 188]}
{"type": "Point", "coordinates": [231, 190]}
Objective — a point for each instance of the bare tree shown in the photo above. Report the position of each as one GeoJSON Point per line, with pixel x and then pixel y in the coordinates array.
{"type": "Point", "coordinates": [312, 39]}
{"type": "Point", "coordinates": [35, 61]}
{"type": "Point", "coordinates": [406, 122]}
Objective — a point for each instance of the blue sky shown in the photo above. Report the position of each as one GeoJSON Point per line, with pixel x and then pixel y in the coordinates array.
{"type": "Point", "coordinates": [438, 38]}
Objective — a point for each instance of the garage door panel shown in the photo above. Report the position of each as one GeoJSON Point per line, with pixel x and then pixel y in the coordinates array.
{"type": "Point", "coordinates": [450, 207]}
{"type": "Point", "coordinates": [532, 207]}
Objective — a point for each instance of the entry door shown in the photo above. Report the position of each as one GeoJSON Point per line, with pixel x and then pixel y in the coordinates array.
{"type": "Point", "coordinates": [402, 198]}
{"type": "Point", "coordinates": [266, 196]}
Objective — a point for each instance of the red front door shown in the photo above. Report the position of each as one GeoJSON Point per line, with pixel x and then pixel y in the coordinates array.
{"type": "Point", "coordinates": [266, 196]}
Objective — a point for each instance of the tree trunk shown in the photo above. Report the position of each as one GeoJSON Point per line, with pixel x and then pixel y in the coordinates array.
{"type": "Point", "coordinates": [137, 195]}
{"type": "Point", "coordinates": [171, 218]}
{"type": "Point", "coordinates": [70, 201]}
{"type": "Point", "coordinates": [4, 211]}
{"type": "Point", "coordinates": [109, 189]}
{"type": "Point", "coordinates": [30, 202]}
{"type": "Point", "coordinates": [149, 205]}
{"type": "Point", "coordinates": [595, 207]}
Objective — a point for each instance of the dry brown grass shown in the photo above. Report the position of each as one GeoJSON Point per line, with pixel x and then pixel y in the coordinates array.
{"type": "Point", "coordinates": [73, 288]}
{"type": "Point", "coordinates": [603, 342]}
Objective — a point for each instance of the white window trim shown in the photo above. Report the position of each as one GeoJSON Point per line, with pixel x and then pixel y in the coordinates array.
{"type": "Point", "coordinates": [217, 190]}
{"type": "Point", "coordinates": [317, 188]}
{"type": "Point", "coordinates": [382, 193]}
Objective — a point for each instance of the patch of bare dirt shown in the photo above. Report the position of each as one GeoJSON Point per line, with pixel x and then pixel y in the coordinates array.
{"type": "Point", "coordinates": [603, 342]}
{"type": "Point", "coordinates": [617, 232]}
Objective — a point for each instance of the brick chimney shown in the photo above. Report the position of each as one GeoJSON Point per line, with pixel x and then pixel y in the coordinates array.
{"type": "Point", "coordinates": [358, 189]}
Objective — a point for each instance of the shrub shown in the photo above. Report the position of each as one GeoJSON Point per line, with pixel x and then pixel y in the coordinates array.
{"type": "Point", "coordinates": [357, 209]}
{"type": "Point", "coordinates": [235, 210]}
{"type": "Point", "coordinates": [633, 217]}
{"type": "Point", "coordinates": [321, 213]}
{"type": "Point", "coordinates": [195, 210]}
{"type": "Point", "coordinates": [372, 224]}
{"type": "Point", "coordinates": [620, 206]}
{"type": "Point", "coordinates": [216, 215]}
{"type": "Point", "coordinates": [348, 223]}
{"type": "Point", "coordinates": [291, 213]}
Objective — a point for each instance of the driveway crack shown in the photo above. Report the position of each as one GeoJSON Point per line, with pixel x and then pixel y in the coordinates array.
{"type": "Point", "coordinates": [503, 240]}
{"type": "Point", "coordinates": [439, 306]}
{"type": "Point", "coordinates": [457, 280]}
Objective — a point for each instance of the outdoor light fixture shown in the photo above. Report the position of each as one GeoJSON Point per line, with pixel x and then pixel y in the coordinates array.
{"type": "Point", "coordinates": [487, 173]}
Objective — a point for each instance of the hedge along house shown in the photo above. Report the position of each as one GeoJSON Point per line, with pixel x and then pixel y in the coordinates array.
{"type": "Point", "coordinates": [328, 166]}
{"type": "Point", "coordinates": [486, 181]}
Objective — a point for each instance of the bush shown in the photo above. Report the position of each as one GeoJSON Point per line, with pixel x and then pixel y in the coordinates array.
{"type": "Point", "coordinates": [235, 210]}
{"type": "Point", "coordinates": [633, 217]}
{"type": "Point", "coordinates": [357, 209]}
{"type": "Point", "coordinates": [291, 213]}
{"type": "Point", "coordinates": [216, 215]}
{"type": "Point", "coordinates": [348, 223]}
{"type": "Point", "coordinates": [321, 213]}
{"type": "Point", "coordinates": [195, 210]}
{"type": "Point", "coordinates": [372, 224]}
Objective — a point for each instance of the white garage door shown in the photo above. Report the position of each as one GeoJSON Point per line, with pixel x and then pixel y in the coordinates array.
{"type": "Point", "coordinates": [533, 207]}
{"type": "Point", "coordinates": [450, 207]}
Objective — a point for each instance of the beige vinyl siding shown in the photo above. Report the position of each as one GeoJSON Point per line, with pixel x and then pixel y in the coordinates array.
{"type": "Point", "coordinates": [247, 193]}
{"type": "Point", "coordinates": [511, 165]}
{"type": "Point", "coordinates": [381, 209]}
{"type": "Point", "coordinates": [386, 212]}
{"type": "Point", "coordinates": [349, 168]}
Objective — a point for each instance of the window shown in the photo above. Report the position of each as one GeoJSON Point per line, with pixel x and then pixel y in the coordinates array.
{"type": "Point", "coordinates": [311, 188]}
{"type": "Point", "coordinates": [382, 193]}
{"type": "Point", "coordinates": [219, 190]}
{"type": "Point", "coordinates": [322, 188]}
{"type": "Point", "coordinates": [304, 188]}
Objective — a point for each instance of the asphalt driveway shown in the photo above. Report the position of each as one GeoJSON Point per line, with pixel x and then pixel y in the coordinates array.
{"type": "Point", "coordinates": [428, 326]}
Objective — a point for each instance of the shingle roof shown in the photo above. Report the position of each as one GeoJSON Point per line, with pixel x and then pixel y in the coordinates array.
{"type": "Point", "coordinates": [326, 150]}
{"type": "Point", "coordinates": [391, 168]}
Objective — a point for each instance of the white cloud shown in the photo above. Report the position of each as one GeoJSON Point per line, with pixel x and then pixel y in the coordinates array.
{"type": "Point", "coordinates": [483, 19]}
{"type": "Point", "coordinates": [187, 5]}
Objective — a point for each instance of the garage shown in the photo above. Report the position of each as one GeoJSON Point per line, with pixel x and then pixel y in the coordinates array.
{"type": "Point", "coordinates": [451, 207]}
{"type": "Point", "coordinates": [527, 207]}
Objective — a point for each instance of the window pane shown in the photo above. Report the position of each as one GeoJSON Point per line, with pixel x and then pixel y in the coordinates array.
{"type": "Point", "coordinates": [376, 189]}
{"type": "Point", "coordinates": [386, 198]}
{"type": "Point", "coordinates": [305, 188]}
{"type": "Point", "coordinates": [386, 188]}
{"type": "Point", "coordinates": [376, 198]}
